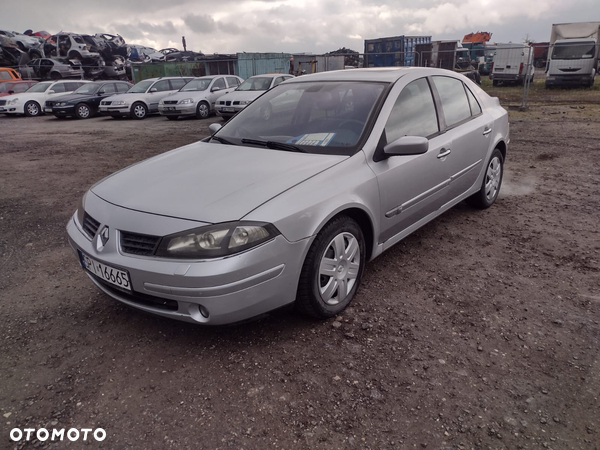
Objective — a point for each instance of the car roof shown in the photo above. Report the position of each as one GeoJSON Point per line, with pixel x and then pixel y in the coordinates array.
{"type": "Point", "coordinates": [373, 74]}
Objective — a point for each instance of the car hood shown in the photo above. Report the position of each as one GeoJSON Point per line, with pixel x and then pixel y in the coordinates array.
{"type": "Point", "coordinates": [72, 97]}
{"type": "Point", "coordinates": [25, 96]}
{"type": "Point", "coordinates": [241, 96]}
{"type": "Point", "coordinates": [210, 182]}
{"type": "Point", "coordinates": [195, 95]}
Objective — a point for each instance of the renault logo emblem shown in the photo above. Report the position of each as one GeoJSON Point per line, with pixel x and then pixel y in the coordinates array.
{"type": "Point", "coordinates": [102, 238]}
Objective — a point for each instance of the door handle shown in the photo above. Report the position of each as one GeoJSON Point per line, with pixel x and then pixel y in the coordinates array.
{"type": "Point", "coordinates": [443, 153]}
{"type": "Point", "coordinates": [486, 131]}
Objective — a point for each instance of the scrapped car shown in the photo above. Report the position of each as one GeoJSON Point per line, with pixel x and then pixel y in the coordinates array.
{"type": "Point", "coordinates": [143, 98]}
{"type": "Point", "coordinates": [31, 101]}
{"type": "Point", "coordinates": [72, 46]}
{"type": "Point", "coordinates": [143, 54]}
{"type": "Point", "coordinates": [198, 97]}
{"type": "Point", "coordinates": [52, 69]}
{"type": "Point", "coordinates": [265, 213]}
{"type": "Point", "coordinates": [247, 92]}
{"type": "Point", "coordinates": [7, 73]}
{"type": "Point", "coordinates": [24, 42]}
{"type": "Point", "coordinates": [173, 54]}
{"type": "Point", "coordinates": [84, 102]}
{"type": "Point", "coordinates": [15, 86]}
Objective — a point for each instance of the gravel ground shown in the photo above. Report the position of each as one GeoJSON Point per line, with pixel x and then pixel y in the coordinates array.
{"type": "Point", "coordinates": [481, 330]}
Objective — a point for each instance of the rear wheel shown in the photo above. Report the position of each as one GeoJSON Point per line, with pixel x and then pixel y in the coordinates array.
{"type": "Point", "coordinates": [83, 111]}
{"type": "Point", "coordinates": [202, 110]}
{"type": "Point", "coordinates": [490, 186]}
{"type": "Point", "coordinates": [55, 76]}
{"type": "Point", "coordinates": [333, 269]}
{"type": "Point", "coordinates": [494, 82]}
{"type": "Point", "coordinates": [32, 109]}
{"type": "Point", "coordinates": [139, 111]}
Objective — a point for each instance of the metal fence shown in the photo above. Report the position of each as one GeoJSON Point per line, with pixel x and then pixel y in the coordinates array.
{"type": "Point", "coordinates": [519, 75]}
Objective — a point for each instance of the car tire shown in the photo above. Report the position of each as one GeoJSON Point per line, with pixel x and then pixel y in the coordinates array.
{"type": "Point", "coordinates": [492, 181]}
{"type": "Point", "coordinates": [202, 110]}
{"type": "Point", "coordinates": [335, 261]}
{"type": "Point", "coordinates": [139, 111]}
{"type": "Point", "coordinates": [32, 109]}
{"type": "Point", "coordinates": [83, 111]}
{"type": "Point", "coordinates": [494, 82]}
{"type": "Point", "coordinates": [55, 76]}
{"type": "Point", "coordinates": [172, 117]}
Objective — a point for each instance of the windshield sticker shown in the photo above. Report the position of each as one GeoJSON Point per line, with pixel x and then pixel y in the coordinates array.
{"type": "Point", "coordinates": [314, 139]}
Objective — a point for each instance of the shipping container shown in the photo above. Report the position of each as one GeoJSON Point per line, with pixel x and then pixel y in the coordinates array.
{"type": "Point", "coordinates": [393, 51]}
{"type": "Point", "coordinates": [249, 64]}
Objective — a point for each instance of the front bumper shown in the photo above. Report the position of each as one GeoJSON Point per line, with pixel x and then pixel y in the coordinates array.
{"type": "Point", "coordinates": [506, 77]}
{"type": "Point", "coordinates": [229, 111]}
{"type": "Point", "coordinates": [568, 80]}
{"type": "Point", "coordinates": [67, 110]}
{"type": "Point", "coordinates": [231, 289]}
{"type": "Point", "coordinates": [122, 110]}
{"type": "Point", "coordinates": [177, 110]}
{"type": "Point", "coordinates": [12, 109]}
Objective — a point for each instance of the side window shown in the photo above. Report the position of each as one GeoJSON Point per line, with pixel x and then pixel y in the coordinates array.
{"type": "Point", "coordinates": [122, 87]}
{"type": "Point", "coordinates": [177, 83]}
{"type": "Point", "coordinates": [475, 108]}
{"type": "Point", "coordinates": [162, 85]}
{"type": "Point", "coordinates": [277, 81]}
{"type": "Point", "coordinates": [454, 99]}
{"type": "Point", "coordinates": [413, 113]}
{"type": "Point", "coordinates": [4, 75]}
{"type": "Point", "coordinates": [59, 87]}
{"type": "Point", "coordinates": [72, 86]}
{"type": "Point", "coordinates": [20, 87]}
{"type": "Point", "coordinates": [220, 83]}
{"type": "Point", "coordinates": [108, 88]}
{"type": "Point", "coordinates": [233, 82]}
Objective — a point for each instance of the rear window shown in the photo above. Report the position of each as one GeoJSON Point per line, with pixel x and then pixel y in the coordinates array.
{"type": "Point", "coordinates": [177, 84]}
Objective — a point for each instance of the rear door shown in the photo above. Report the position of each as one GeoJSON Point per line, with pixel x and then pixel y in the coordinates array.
{"type": "Point", "coordinates": [412, 187]}
{"type": "Point", "coordinates": [468, 127]}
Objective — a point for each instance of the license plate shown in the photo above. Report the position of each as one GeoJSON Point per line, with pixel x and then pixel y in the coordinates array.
{"type": "Point", "coordinates": [48, 109]}
{"type": "Point", "coordinates": [227, 110]}
{"type": "Point", "coordinates": [170, 108]}
{"type": "Point", "coordinates": [107, 273]}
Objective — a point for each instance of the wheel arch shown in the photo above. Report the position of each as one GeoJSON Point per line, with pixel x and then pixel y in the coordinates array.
{"type": "Point", "coordinates": [501, 145]}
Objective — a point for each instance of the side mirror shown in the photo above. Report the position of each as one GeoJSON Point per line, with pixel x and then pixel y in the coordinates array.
{"type": "Point", "coordinates": [215, 89]}
{"type": "Point", "coordinates": [407, 145]}
{"type": "Point", "coordinates": [214, 127]}
{"type": "Point", "coordinates": [11, 92]}
{"type": "Point", "coordinates": [51, 91]}
{"type": "Point", "coordinates": [153, 90]}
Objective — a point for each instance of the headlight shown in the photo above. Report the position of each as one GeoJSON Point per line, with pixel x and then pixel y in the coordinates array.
{"type": "Point", "coordinates": [13, 101]}
{"type": "Point", "coordinates": [61, 104]}
{"type": "Point", "coordinates": [80, 209]}
{"type": "Point", "coordinates": [216, 240]}
{"type": "Point", "coordinates": [120, 102]}
{"type": "Point", "coordinates": [245, 102]}
{"type": "Point", "coordinates": [186, 101]}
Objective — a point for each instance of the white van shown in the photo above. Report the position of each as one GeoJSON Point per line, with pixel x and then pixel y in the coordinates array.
{"type": "Point", "coordinates": [512, 63]}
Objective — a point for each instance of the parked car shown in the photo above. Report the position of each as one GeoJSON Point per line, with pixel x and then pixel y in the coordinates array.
{"type": "Point", "coordinates": [143, 98]}
{"type": "Point", "coordinates": [198, 97]}
{"type": "Point", "coordinates": [84, 102]}
{"type": "Point", "coordinates": [265, 213]}
{"type": "Point", "coordinates": [31, 101]}
{"type": "Point", "coordinates": [52, 69]}
{"type": "Point", "coordinates": [253, 87]}
{"type": "Point", "coordinates": [15, 86]}
{"type": "Point", "coordinates": [6, 73]}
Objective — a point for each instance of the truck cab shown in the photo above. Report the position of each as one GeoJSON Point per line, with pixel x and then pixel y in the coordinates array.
{"type": "Point", "coordinates": [572, 62]}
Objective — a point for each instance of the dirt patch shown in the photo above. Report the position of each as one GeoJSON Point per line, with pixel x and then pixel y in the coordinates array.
{"type": "Point", "coordinates": [480, 330]}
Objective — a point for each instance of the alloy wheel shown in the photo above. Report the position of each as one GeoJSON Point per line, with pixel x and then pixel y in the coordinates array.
{"type": "Point", "coordinates": [203, 110]}
{"type": "Point", "coordinates": [33, 109]}
{"type": "Point", "coordinates": [493, 177]}
{"type": "Point", "coordinates": [84, 112]}
{"type": "Point", "coordinates": [339, 268]}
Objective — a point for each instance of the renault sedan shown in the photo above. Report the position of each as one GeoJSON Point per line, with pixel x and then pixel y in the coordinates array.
{"type": "Point", "coordinates": [271, 212]}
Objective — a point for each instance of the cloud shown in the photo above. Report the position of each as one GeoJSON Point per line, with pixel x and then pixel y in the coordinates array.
{"type": "Point", "coordinates": [200, 23]}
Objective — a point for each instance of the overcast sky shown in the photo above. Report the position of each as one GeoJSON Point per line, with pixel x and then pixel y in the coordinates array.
{"type": "Point", "coordinates": [229, 26]}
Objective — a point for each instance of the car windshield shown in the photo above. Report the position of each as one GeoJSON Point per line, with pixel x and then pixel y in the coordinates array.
{"type": "Point", "coordinates": [40, 87]}
{"type": "Point", "coordinates": [140, 87]}
{"type": "Point", "coordinates": [574, 51]}
{"type": "Point", "coordinates": [255, 84]}
{"type": "Point", "coordinates": [201, 84]}
{"type": "Point", "coordinates": [312, 117]}
{"type": "Point", "coordinates": [88, 88]}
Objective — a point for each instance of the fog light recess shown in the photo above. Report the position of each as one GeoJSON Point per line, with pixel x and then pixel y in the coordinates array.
{"type": "Point", "coordinates": [203, 311]}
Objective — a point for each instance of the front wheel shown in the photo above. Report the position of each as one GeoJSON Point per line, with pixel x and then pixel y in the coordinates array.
{"type": "Point", "coordinates": [490, 186]}
{"type": "Point", "coordinates": [333, 269]}
{"type": "Point", "coordinates": [139, 111]}
{"type": "Point", "coordinates": [32, 109]}
{"type": "Point", "coordinates": [202, 111]}
{"type": "Point", "coordinates": [83, 111]}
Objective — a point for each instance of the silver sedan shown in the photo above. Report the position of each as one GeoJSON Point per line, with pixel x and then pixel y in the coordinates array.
{"type": "Point", "coordinates": [287, 209]}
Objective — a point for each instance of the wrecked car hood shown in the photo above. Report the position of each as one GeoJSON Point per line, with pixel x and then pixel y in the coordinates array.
{"type": "Point", "coordinates": [210, 182]}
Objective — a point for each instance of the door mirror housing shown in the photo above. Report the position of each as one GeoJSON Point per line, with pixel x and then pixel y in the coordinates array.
{"type": "Point", "coordinates": [51, 91]}
{"type": "Point", "coordinates": [407, 145]}
{"type": "Point", "coordinates": [215, 89]}
{"type": "Point", "coordinates": [11, 92]}
{"type": "Point", "coordinates": [153, 90]}
{"type": "Point", "coordinates": [214, 127]}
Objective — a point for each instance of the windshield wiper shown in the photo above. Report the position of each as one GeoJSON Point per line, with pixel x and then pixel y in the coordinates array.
{"type": "Point", "coordinates": [221, 140]}
{"type": "Point", "coordinates": [274, 145]}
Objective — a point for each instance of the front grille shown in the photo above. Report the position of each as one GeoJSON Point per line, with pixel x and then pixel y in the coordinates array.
{"type": "Point", "coordinates": [106, 103]}
{"type": "Point", "coordinates": [139, 244]}
{"type": "Point", "coordinates": [228, 103]}
{"type": "Point", "coordinates": [2, 102]}
{"type": "Point", "coordinates": [139, 298]}
{"type": "Point", "coordinates": [90, 225]}
{"type": "Point", "coordinates": [171, 102]}
{"type": "Point", "coordinates": [221, 103]}
{"type": "Point", "coordinates": [236, 103]}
